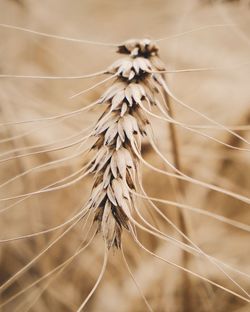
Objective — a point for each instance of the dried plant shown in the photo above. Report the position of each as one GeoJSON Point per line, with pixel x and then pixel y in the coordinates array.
{"type": "Point", "coordinates": [107, 161]}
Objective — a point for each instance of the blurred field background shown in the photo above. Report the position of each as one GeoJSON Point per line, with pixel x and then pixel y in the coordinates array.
{"type": "Point", "coordinates": [222, 94]}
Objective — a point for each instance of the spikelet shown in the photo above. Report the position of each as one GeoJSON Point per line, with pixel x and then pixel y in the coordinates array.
{"type": "Point", "coordinates": [119, 132]}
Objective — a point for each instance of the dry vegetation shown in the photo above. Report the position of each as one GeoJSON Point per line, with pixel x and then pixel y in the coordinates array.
{"type": "Point", "coordinates": [222, 94]}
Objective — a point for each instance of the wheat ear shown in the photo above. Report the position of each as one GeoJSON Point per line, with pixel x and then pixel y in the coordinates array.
{"type": "Point", "coordinates": [119, 133]}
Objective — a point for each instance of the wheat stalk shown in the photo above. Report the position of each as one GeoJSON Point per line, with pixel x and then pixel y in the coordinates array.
{"type": "Point", "coordinates": [117, 155]}
{"type": "Point", "coordinates": [119, 132]}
